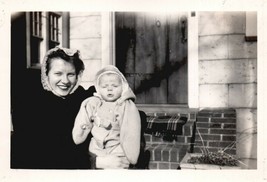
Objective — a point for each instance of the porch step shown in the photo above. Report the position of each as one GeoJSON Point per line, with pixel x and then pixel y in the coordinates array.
{"type": "Point", "coordinates": [166, 156]}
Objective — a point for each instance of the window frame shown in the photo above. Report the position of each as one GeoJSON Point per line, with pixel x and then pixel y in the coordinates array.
{"type": "Point", "coordinates": [63, 23]}
{"type": "Point", "coordinates": [53, 28]}
{"type": "Point", "coordinates": [36, 35]}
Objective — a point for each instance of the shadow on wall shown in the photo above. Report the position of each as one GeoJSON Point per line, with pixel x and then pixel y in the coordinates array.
{"type": "Point", "coordinates": [126, 38]}
{"type": "Point", "coordinates": [160, 74]}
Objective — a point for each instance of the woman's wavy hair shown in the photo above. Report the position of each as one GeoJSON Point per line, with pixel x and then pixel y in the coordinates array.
{"type": "Point", "coordinates": [68, 56]}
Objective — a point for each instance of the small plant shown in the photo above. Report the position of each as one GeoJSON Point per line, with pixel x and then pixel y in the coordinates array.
{"type": "Point", "coordinates": [220, 157]}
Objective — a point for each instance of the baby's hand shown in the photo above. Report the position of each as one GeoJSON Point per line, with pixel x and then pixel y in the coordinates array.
{"type": "Point", "coordinates": [101, 123]}
{"type": "Point", "coordinates": [85, 126]}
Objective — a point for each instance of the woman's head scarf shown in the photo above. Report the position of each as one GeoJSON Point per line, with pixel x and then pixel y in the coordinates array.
{"type": "Point", "coordinates": [44, 71]}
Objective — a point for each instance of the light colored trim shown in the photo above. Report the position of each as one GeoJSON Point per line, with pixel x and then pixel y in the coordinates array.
{"type": "Point", "coordinates": [193, 83]}
{"type": "Point", "coordinates": [251, 23]}
{"type": "Point", "coordinates": [28, 40]}
{"type": "Point", "coordinates": [45, 43]}
{"type": "Point", "coordinates": [65, 30]}
{"type": "Point", "coordinates": [166, 108]}
{"type": "Point", "coordinates": [108, 34]}
{"type": "Point", "coordinates": [113, 31]}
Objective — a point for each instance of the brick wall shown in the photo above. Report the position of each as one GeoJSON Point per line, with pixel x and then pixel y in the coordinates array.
{"type": "Point", "coordinates": [168, 154]}
{"type": "Point", "coordinates": [217, 128]}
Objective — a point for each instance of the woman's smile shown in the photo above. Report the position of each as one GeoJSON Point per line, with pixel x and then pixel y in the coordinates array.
{"type": "Point", "coordinates": [63, 87]}
{"type": "Point", "coordinates": [62, 76]}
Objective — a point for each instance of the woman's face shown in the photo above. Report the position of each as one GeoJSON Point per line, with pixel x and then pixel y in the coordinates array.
{"type": "Point", "coordinates": [62, 76]}
{"type": "Point", "coordinates": [110, 87]}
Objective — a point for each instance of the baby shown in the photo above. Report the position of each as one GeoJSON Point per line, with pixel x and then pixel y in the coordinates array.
{"type": "Point", "coordinates": [111, 116]}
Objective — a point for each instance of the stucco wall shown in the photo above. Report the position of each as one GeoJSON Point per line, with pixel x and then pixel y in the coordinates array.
{"type": "Point", "coordinates": [85, 35]}
{"type": "Point", "coordinates": [228, 74]}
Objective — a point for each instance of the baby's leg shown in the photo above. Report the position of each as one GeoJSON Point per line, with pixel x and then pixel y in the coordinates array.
{"type": "Point", "coordinates": [117, 150]}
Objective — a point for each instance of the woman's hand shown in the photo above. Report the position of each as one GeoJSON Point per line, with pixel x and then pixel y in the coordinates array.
{"type": "Point", "coordinates": [112, 162]}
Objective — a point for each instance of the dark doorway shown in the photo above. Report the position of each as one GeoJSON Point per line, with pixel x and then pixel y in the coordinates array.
{"type": "Point", "coordinates": [151, 50]}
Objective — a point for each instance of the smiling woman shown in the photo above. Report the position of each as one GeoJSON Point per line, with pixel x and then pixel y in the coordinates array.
{"type": "Point", "coordinates": [61, 71]}
{"type": "Point", "coordinates": [62, 76]}
{"type": "Point", "coordinates": [42, 137]}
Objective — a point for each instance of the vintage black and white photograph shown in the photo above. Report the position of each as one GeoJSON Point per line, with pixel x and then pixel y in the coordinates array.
{"type": "Point", "coordinates": [136, 91]}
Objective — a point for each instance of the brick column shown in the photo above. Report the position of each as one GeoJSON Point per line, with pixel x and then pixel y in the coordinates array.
{"type": "Point", "coordinates": [217, 128]}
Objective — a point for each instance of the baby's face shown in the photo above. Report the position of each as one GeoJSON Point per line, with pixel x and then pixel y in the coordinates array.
{"type": "Point", "coordinates": [110, 87]}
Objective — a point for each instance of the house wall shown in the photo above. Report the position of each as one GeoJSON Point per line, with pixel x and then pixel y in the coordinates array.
{"type": "Point", "coordinates": [228, 75]}
{"type": "Point", "coordinates": [85, 35]}
{"type": "Point", "coordinates": [227, 68]}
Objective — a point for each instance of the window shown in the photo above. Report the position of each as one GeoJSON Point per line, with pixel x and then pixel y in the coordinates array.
{"type": "Point", "coordinates": [36, 36]}
{"type": "Point", "coordinates": [53, 29]}
{"type": "Point", "coordinates": [44, 31]}
{"type": "Point", "coordinates": [151, 51]}
{"type": "Point", "coordinates": [108, 21]}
